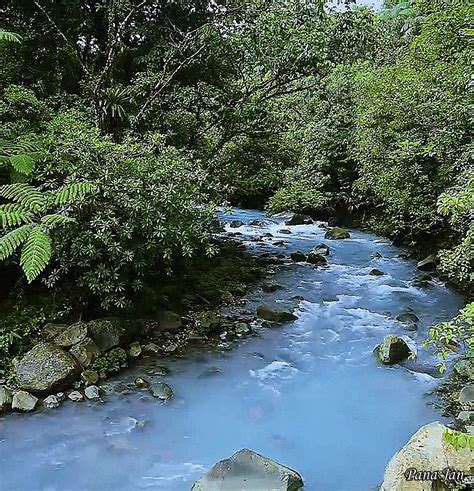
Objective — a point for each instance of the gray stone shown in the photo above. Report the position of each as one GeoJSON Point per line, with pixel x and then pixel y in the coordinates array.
{"type": "Point", "coordinates": [208, 321]}
{"type": "Point", "coordinates": [135, 350]}
{"type": "Point", "coordinates": [24, 401]}
{"type": "Point", "coordinates": [5, 399]}
{"type": "Point", "coordinates": [90, 377]}
{"type": "Point", "coordinates": [284, 231]}
{"type": "Point", "coordinates": [242, 328]}
{"type": "Point", "coordinates": [141, 383]}
{"type": "Point", "coordinates": [169, 321]}
{"type": "Point", "coordinates": [151, 349]}
{"type": "Point", "coordinates": [299, 219]}
{"type": "Point", "coordinates": [236, 223]}
{"type": "Point", "coordinates": [337, 233]}
{"type": "Point", "coordinates": [322, 249]}
{"type": "Point", "coordinates": [316, 259]}
{"type": "Point", "coordinates": [407, 317]}
{"type": "Point", "coordinates": [427, 264]}
{"type": "Point", "coordinates": [249, 471]}
{"type": "Point", "coordinates": [298, 256]}
{"type": "Point", "coordinates": [162, 391]}
{"type": "Point", "coordinates": [257, 223]}
{"type": "Point", "coordinates": [161, 371]}
{"type": "Point", "coordinates": [273, 315]}
{"type": "Point", "coordinates": [466, 417]}
{"type": "Point", "coordinates": [86, 352]}
{"type": "Point", "coordinates": [75, 396]}
{"type": "Point", "coordinates": [106, 333]}
{"type": "Point", "coordinates": [465, 368]}
{"type": "Point", "coordinates": [72, 335]}
{"type": "Point", "coordinates": [392, 350]}
{"type": "Point", "coordinates": [426, 450]}
{"type": "Point", "coordinates": [376, 272]}
{"type": "Point", "coordinates": [50, 330]}
{"type": "Point", "coordinates": [466, 397]}
{"type": "Point", "coordinates": [51, 402]}
{"type": "Point", "coordinates": [92, 392]}
{"type": "Point", "coordinates": [46, 368]}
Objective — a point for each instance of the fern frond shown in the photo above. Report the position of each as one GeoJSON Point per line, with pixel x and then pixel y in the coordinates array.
{"type": "Point", "coordinates": [14, 214]}
{"type": "Point", "coordinates": [24, 194]}
{"type": "Point", "coordinates": [71, 192]}
{"type": "Point", "coordinates": [35, 253]}
{"type": "Point", "coordinates": [10, 37]}
{"type": "Point", "coordinates": [24, 164]}
{"type": "Point", "coordinates": [51, 221]}
{"type": "Point", "coordinates": [11, 241]}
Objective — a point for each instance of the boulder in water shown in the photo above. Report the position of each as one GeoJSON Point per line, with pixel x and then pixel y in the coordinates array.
{"type": "Point", "coordinates": [273, 315]}
{"type": "Point", "coordinates": [376, 272]}
{"type": "Point", "coordinates": [316, 259]}
{"type": "Point", "coordinates": [337, 233]}
{"type": "Point", "coordinates": [428, 450]}
{"type": "Point", "coordinates": [162, 391]}
{"type": "Point", "coordinates": [392, 350]}
{"type": "Point", "coordinates": [408, 316]}
{"type": "Point", "coordinates": [427, 264]}
{"type": "Point", "coordinates": [298, 256]}
{"type": "Point", "coordinates": [46, 368]}
{"type": "Point", "coordinates": [249, 471]}
{"type": "Point", "coordinates": [322, 249]}
{"type": "Point", "coordinates": [236, 223]}
{"type": "Point", "coordinates": [24, 401]}
{"type": "Point", "coordinates": [299, 219]}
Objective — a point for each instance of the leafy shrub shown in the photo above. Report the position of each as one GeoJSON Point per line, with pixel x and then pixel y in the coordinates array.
{"type": "Point", "coordinates": [299, 198]}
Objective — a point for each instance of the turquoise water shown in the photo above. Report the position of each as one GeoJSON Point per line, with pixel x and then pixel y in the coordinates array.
{"type": "Point", "coordinates": [308, 394]}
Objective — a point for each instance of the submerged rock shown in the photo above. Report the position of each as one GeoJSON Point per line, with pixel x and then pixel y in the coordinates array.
{"type": "Point", "coordinates": [249, 471]}
{"type": "Point", "coordinates": [427, 264]}
{"type": "Point", "coordinates": [162, 391]}
{"type": "Point", "coordinates": [5, 399]}
{"type": "Point", "coordinates": [72, 335]}
{"type": "Point", "coordinates": [24, 401]}
{"type": "Point", "coordinates": [46, 368]}
{"type": "Point", "coordinates": [337, 233]}
{"type": "Point", "coordinates": [392, 350]}
{"type": "Point", "coordinates": [141, 383]}
{"type": "Point", "coordinates": [298, 256]}
{"type": "Point", "coordinates": [376, 272]}
{"type": "Point", "coordinates": [322, 249]}
{"type": "Point", "coordinates": [273, 315]}
{"type": "Point", "coordinates": [86, 352]}
{"type": "Point", "coordinates": [407, 317]}
{"type": "Point", "coordinates": [427, 450]}
{"type": "Point", "coordinates": [316, 259]}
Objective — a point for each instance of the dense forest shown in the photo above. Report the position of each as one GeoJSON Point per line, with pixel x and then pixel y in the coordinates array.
{"type": "Point", "coordinates": [127, 123]}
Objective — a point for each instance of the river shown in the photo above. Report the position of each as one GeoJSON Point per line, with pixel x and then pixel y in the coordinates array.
{"type": "Point", "coordinates": [308, 394]}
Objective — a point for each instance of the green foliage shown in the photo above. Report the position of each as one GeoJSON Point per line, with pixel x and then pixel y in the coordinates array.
{"type": "Point", "coordinates": [458, 440]}
{"type": "Point", "coordinates": [10, 37]}
{"type": "Point", "coordinates": [299, 198]}
{"type": "Point", "coordinates": [111, 362]}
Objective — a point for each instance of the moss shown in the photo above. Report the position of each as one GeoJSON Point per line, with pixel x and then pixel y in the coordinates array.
{"type": "Point", "coordinates": [111, 362]}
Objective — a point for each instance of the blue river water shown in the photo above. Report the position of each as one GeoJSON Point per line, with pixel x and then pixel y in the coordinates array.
{"type": "Point", "coordinates": [308, 394]}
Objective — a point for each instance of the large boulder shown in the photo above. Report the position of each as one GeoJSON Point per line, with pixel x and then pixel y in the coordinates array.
{"type": "Point", "coordinates": [427, 264]}
{"type": "Point", "coordinates": [337, 233]}
{"type": "Point", "coordinates": [392, 350]}
{"type": "Point", "coordinates": [316, 259]}
{"type": "Point", "coordinates": [273, 315]}
{"type": "Point", "coordinates": [249, 471]}
{"type": "Point", "coordinates": [298, 256]}
{"type": "Point", "coordinates": [106, 333]}
{"type": "Point", "coordinates": [24, 401]}
{"type": "Point", "coordinates": [413, 468]}
{"type": "Point", "coordinates": [85, 352]}
{"type": "Point", "coordinates": [298, 219]}
{"type": "Point", "coordinates": [46, 368]}
{"type": "Point", "coordinates": [322, 249]}
{"type": "Point", "coordinates": [72, 335]}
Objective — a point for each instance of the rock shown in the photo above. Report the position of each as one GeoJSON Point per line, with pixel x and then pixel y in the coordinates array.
{"type": "Point", "coordinates": [249, 471]}
{"type": "Point", "coordinates": [376, 272]}
{"type": "Point", "coordinates": [267, 235]}
{"type": "Point", "coordinates": [5, 399]}
{"type": "Point", "coordinates": [409, 318]}
{"type": "Point", "coordinates": [134, 350]}
{"type": "Point", "coordinates": [377, 255]}
{"type": "Point", "coordinates": [208, 321]}
{"type": "Point", "coordinates": [316, 259]}
{"type": "Point", "coordinates": [279, 316]}
{"type": "Point", "coordinates": [337, 233]}
{"type": "Point", "coordinates": [169, 347]}
{"type": "Point", "coordinates": [322, 249]}
{"type": "Point", "coordinates": [270, 287]}
{"type": "Point", "coordinates": [466, 397]}
{"type": "Point", "coordinates": [427, 450]}
{"type": "Point", "coordinates": [257, 223]}
{"type": "Point", "coordinates": [242, 328]}
{"type": "Point", "coordinates": [51, 402]}
{"type": "Point", "coordinates": [422, 281]}
{"type": "Point", "coordinates": [46, 368]}
{"type": "Point", "coordinates": [298, 256]}
{"type": "Point", "coordinates": [236, 223]}
{"type": "Point", "coordinates": [24, 401]}
{"type": "Point", "coordinates": [90, 377]}
{"type": "Point", "coordinates": [427, 264]}
{"type": "Point", "coordinates": [60, 396]}
{"type": "Point", "coordinates": [106, 333]}
{"type": "Point", "coordinates": [161, 371]}
{"type": "Point", "coordinates": [75, 396]}
{"type": "Point", "coordinates": [333, 221]}
{"type": "Point", "coordinates": [298, 219]}
{"type": "Point", "coordinates": [465, 368]}
{"type": "Point", "coordinates": [169, 321]}
{"type": "Point", "coordinates": [392, 350]}
{"type": "Point", "coordinates": [162, 391]}
{"type": "Point", "coordinates": [50, 331]}
{"type": "Point", "coordinates": [92, 392]}
{"type": "Point", "coordinates": [141, 383]}
{"type": "Point", "coordinates": [151, 349]}
{"type": "Point", "coordinates": [72, 335]}
{"type": "Point", "coordinates": [466, 417]}
{"type": "Point", "coordinates": [86, 352]}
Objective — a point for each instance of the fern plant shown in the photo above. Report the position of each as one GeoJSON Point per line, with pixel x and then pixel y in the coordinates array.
{"type": "Point", "coordinates": [10, 37]}
{"type": "Point", "coordinates": [28, 211]}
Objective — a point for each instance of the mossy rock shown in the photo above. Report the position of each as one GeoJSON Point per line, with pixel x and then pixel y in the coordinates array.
{"type": "Point", "coordinates": [337, 233]}
{"type": "Point", "coordinates": [273, 315]}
